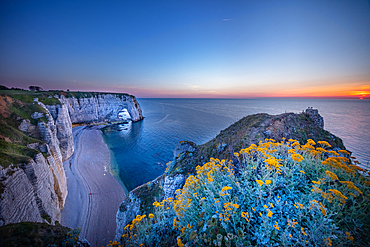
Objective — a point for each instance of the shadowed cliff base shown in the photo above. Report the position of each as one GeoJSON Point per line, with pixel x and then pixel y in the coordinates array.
{"type": "Point", "coordinates": [94, 195]}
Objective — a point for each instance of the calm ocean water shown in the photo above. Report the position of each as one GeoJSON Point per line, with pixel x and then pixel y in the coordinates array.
{"type": "Point", "coordinates": [141, 150]}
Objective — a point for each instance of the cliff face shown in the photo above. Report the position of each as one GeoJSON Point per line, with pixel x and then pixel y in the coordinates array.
{"type": "Point", "coordinates": [101, 107]}
{"type": "Point", "coordinates": [36, 190]}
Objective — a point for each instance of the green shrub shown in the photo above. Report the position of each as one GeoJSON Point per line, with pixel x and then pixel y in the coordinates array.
{"type": "Point", "coordinates": [278, 194]}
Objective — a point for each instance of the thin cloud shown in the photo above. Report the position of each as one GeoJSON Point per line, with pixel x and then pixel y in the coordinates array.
{"type": "Point", "coordinates": [228, 19]}
{"type": "Point", "coordinates": [194, 87]}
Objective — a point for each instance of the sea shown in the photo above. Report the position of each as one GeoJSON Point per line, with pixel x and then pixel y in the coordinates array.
{"type": "Point", "coordinates": [141, 150]}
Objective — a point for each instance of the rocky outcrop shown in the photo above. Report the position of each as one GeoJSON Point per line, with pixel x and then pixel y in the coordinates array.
{"type": "Point", "coordinates": [101, 107]}
{"type": "Point", "coordinates": [183, 147]}
{"type": "Point", "coordinates": [128, 210]}
{"type": "Point", "coordinates": [26, 126]}
{"type": "Point", "coordinates": [315, 116]}
{"type": "Point", "coordinates": [171, 184]}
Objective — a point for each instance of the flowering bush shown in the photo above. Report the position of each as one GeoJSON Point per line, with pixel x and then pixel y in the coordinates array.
{"type": "Point", "coordinates": [279, 193]}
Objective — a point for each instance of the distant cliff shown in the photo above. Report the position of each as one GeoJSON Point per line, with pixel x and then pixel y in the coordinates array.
{"type": "Point", "coordinates": [187, 155]}
{"type": "Point", "coordinates": [35, 139]}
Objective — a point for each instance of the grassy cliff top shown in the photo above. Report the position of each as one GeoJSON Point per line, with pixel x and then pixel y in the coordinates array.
{"type": "Point", "coordinates": [47, 97]}
{"type": "Point", "coordinates": [16, 105]}
{"type": "Point", "coordinates": [251, 130]}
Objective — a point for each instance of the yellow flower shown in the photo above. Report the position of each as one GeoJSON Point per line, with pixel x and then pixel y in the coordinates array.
{"type": "Point", "coordinates": [328, 241]}
{"type": "Point", "coordinates": [311, 142]}
{"type": "Point", "coordinates": [226, 188]}
{"type": "Point", "coordinates": [331, 175]}
{"type": "Point", "coordinates": [324, 143]}
{"type": "Point", "coordinates": [276, 226]}
{"type": "Point", "coordinates": [349, 237]}
{"type": "Point", "coordinates": [267, 182]}
{"type": "Point", "coordinates": [260, 182]}
{"type": "Point", "coordinates": [333, 153]}
{"type": "Point", "coordinates": [344, 152]}
{"type": "Point", "coordinates": [179, 243]}
{"type": "Point", "coordinates": [151, 216]}
{"type": "Point", "coordinates": [297, 157]}
{"type": "Point", "coordinates": [245, 215]}
{"type": "Point", "coordinates": [174, 223]}
{"type": "Point", "coordinates": [321, 150]}
{"type": "Point", "coordinates": [339, 195]}
{"type": "Point", "coordinates": [302, 172]}
{"type": "Point", "coordinates": [269, 213]}
{"type": "Point", "coordinates": [304, 233]}
{"type": "Point", "coordinates": [350, 185]}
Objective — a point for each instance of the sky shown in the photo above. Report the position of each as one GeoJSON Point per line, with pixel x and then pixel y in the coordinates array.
{"type": "Point", "coordinates": [188, 49]}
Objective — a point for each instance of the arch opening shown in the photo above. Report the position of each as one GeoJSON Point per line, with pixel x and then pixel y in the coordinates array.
{"type": "Point", "coordinates": [124, 115]}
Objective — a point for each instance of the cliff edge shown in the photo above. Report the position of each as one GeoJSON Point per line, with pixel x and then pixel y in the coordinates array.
{"type": "Point", "coordinates": [35, 139]}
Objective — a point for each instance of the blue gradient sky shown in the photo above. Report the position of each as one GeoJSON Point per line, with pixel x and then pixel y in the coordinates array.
{"type": "Point", "coordinates": [231, 49]}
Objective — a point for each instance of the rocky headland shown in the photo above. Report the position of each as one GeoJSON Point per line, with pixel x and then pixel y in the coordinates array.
{"type": "Point", "coordinates": [36, 137]}
{"type": "Point", "coordinates": [187, 156]}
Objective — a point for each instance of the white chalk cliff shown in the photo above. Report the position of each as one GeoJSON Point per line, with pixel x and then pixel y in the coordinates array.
{"type": "Point", "coordinates": [36, 191]}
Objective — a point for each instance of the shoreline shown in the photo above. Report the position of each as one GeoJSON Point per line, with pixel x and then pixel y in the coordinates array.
{"type": "Point", "coordinates": [94, 194]}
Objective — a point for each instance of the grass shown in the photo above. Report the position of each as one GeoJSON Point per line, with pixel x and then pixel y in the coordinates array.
{"type": "Point", "coordinates": [15, 153]}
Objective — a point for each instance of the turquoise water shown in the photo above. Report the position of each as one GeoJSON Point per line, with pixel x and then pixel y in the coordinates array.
{"type": "Point", "coordinates": [141, 150]}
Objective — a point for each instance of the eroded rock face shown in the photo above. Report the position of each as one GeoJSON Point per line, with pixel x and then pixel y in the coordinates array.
{"type": "Point", "coordinates": [49, 134]}
{"type": "Point", "coordinates": [102, 107]}
{"type": "Point", "coordinates": [29, 193]}
{"type": "Point", "coordinates": [171, 184]}
{"type": "Point", "coordinates": [128, 210]}
{"type": "Point", "coordinates": [64, 129]}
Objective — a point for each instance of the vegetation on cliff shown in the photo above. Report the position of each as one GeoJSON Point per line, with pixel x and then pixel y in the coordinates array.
{"type": "Point", "coordinates": [258, 191]}
{"type": "Point", "coordinates": [277, 193]}
{"type": "Point", "coordinates": [48, 97]}
{"type": "Point", "coordinates": [13, 142]}
{"type": "Point", "coordinates": [250, 129]}
{"type": "Point", "coordinates": [38, 234]}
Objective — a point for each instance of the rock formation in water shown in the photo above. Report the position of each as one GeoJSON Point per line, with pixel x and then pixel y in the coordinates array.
{"type": "Point", "coordinates": [36, 138]}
